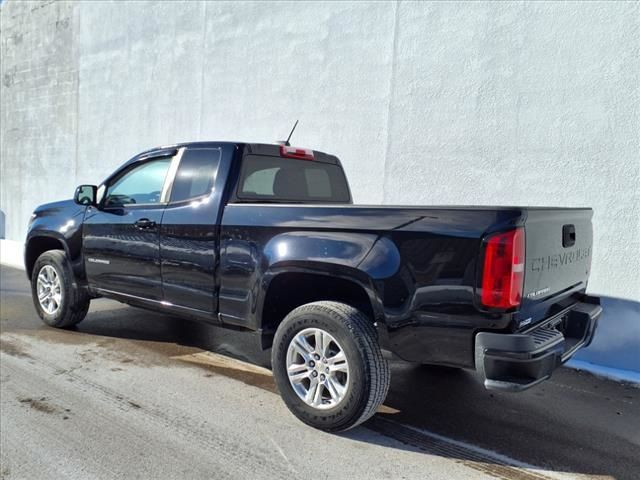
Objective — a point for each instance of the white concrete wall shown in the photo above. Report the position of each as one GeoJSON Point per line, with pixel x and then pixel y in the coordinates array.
{"type": "Point", "coordinates": [529, 103]}
{"type": "Point", "coordinates": [443, 103]}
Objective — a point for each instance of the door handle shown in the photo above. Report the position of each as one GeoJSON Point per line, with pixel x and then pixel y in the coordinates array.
{"type": "Point", "coordinates": [144, 224]}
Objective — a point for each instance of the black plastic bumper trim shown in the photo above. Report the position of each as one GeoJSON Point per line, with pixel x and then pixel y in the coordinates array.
{"type": "Point", "coordinates": [516, 362]}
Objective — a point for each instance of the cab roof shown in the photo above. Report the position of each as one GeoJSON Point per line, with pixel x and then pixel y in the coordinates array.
{"type": "Point", "coordinates": [253, 148]}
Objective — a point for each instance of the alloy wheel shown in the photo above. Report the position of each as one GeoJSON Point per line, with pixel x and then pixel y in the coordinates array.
{"type": "Point", "coordinates": [317, 368]}
{"type": "Point", "coordinates": [49, 289]}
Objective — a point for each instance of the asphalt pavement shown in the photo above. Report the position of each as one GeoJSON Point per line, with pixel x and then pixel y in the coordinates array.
{"type": "Point", "coordinates": [134, 394]}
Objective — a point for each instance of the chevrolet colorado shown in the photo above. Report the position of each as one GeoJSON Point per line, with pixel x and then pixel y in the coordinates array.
{"type": "Point", "coordinates": [266, 238]}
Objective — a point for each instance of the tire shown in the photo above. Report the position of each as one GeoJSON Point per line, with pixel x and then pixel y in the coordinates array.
{"type": "Point", "coordinates": [357, 390]}
{"type": "Point", "coordinates": [72, 301]}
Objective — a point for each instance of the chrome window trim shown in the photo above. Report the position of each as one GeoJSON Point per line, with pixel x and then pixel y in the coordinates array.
{"type": "Point", "coordinates": [171, 176]}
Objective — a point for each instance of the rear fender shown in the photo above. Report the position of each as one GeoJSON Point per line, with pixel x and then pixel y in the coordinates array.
{"type": "Point", "coordinates": [247, 272]}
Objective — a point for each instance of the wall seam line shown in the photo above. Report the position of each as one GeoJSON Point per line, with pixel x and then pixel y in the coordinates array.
{"type": "Point", "coordinates": [204, 43]}
{"type": "Point", "coordinates": [392, 82]}
{"type": "Point", "coordinates": [77, 58]}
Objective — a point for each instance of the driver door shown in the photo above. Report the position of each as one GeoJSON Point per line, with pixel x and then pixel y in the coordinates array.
{"type": "Point", "coordinates": [121, 235]}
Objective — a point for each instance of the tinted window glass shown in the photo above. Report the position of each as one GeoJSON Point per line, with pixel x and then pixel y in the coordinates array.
{"type": "Point", "coordinates": [142, 184]}
{"type": "Point", "coordinates": [283, 179]}
{"type": "Point", "coordinates": [196, 174]}
{"type": "Point", "coordinates": [318, 182]}
{"type": "Point", "coordinates": [260, 182]}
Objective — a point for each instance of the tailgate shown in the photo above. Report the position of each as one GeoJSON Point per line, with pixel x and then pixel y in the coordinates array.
{"type": "Point", "coordinates": [558, 254]}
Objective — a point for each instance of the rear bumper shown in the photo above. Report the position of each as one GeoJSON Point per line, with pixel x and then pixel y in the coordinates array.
{"type": "Point", "coordinates": [515, 362]}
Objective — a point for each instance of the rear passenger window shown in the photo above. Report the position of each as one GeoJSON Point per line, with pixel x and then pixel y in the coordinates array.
{"type": "Point", "coordinates": [196, 174]}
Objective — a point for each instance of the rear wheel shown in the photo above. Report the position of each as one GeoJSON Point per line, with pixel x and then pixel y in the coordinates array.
{"type": "Point", "coordinates": [57, 298]}
{"type": "Point", "coordinates": [328, 365]}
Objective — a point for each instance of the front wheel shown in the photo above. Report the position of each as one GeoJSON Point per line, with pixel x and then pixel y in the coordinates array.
{"type": "Point", "coordinates": [56, 296]}
{"type": "Point", "coordinates": [328, 365]}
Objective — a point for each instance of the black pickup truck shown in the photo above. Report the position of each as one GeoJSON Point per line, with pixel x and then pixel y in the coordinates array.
{"type": "Point", "coordinates": [266, 238]}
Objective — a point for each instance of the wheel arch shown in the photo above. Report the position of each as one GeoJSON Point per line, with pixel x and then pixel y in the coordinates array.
{"type": "Point", "coordinates": [344, 285]}
{"type": "Point", "coordinates": [39, 244]}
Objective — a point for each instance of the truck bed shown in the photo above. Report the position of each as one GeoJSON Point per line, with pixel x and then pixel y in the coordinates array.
{"type": "Point", "coordinates": [423, 263]}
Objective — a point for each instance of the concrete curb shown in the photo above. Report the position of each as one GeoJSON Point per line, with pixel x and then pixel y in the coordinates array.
{"type": "Point", "coordinates": [12, 253]}
{"type": "Point", "coordinates": [616, 374]}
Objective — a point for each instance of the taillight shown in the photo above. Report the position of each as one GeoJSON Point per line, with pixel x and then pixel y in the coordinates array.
{"type": "Point", "coordinates": [503, 273]}
{"type": "Point", "coordinates": [296, 152]}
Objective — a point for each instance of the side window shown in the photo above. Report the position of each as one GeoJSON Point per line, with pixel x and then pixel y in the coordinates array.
{"type": "Point", "coordinates": [140, 185]}
{"type": "Point", "coordinates": [196, 174]}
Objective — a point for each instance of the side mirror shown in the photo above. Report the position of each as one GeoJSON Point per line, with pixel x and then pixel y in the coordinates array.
{"type": "Point", "coordinates": [86, 195]}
